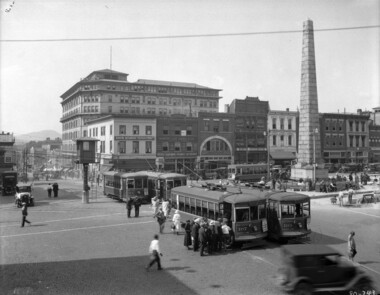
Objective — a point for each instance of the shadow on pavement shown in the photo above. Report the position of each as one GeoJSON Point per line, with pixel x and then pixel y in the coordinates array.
{"type": "Point", "coordinates": [119, 275]}
{"type": "Point", "coordinates": [321, 239]}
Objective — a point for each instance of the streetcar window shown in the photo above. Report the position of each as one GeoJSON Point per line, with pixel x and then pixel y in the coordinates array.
{"type": "Point", "coordinates": [242, 214]}
{"type": "Point", "coordinates": [181, 203]}
{"type": "Point", "coordinates": [187, 204]}
{"type": "Point", "coordinates": [177, 182]}
{"type": "Point", "coordinates": [254, 212]}
{"type": "Point", "coordinates": [306, 209]}
{"type": "Point", "coordinates": [198, 208]}
{"type": "Point", "coordinates": [192, 205]}
{"type": "Point", "coordinates": [204, 209]}
{"type": "Point", "coordinates": [131, 183]}
{"type": "Point", "coordinates": [217, 214]}
{"type": "Point", "coordinates": [262, 211]}
{"type": "Point", "coordinates": [169, 184]}
{"type": "Point", "coordinates": [288, 210]}
{"type": "Point", "coordinates": [211, 211]}
{"type": "Point", "coordinates": [138, 183]}
{"type": "Point", "coordinates": [227, 210]}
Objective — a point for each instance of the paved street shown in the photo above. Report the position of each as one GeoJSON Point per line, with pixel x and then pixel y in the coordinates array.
{"type": "Point", "coordinates": [75, 248]}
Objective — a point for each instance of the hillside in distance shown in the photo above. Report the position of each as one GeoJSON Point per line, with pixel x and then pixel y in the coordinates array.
{"type": "Point", "coordinates": [38, 136]}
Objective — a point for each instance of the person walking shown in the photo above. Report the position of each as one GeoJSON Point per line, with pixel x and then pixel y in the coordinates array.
{"type": "Point", "coordinates": [24, 212]}
{"type": "Point", "coordinates": [129, 207]}
{"type": "Point", "coordinates": [351, 246]}
{"type": "Point", "coordinates": [55, 189]}
{"type": "Point", "coordinates": [155, 205]}
{"type": "Point", "coordinates": [177, 222]}
{"type": "Point", "coordinates": [350, 194]}
{"type": "Point", "coordinates": [49, 190]}
{"type": "Point", "coordinates": [161, 220]}
{"type": "Point", "coordinates": [165, 208]}
{"type": "Point", "coordinates": [137, 204]}
{"type": "Point", "coordinates": [202, 238]}
{"type": "Point", "coordinates": [195, 235]}
{"type": "Point", "coordinates": [187, 237]}
{"type": "Point", "coordinates": [340, 197]}
{"type": "Point", "coordinates": [155, 253]}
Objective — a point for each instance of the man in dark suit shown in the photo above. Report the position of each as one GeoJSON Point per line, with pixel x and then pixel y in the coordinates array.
{"type": "Point", "coordinates": [129, 206]}
{"type": "Point", "coordinates": [137, 204]}
{"type": "Point", "coordinates": [202, 238]}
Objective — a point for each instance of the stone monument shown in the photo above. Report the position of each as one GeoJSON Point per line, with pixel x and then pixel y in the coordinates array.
{"type": "Point", "coordinates": [309, 159]}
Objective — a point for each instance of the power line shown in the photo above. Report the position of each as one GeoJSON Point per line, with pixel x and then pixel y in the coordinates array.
{"type": "Point", "coordinates": [184, 36]}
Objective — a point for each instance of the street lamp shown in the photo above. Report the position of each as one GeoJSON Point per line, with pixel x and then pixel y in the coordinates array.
{"type": "Point", "coordinates": [315, 132]}
{"type": "Point", "coordinates": [268, 149]}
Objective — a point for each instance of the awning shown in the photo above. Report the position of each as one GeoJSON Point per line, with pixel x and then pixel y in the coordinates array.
{"type": "Point", "coordinates": [105, 168]}
{"type": "Point", "coordinates": [282, 155]}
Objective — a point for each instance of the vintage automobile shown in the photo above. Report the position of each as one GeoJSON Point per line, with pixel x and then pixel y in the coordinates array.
{"type": "Point", "coordinates": [320, 268]}
{"type": "Point", "coordinates": [24, 194]}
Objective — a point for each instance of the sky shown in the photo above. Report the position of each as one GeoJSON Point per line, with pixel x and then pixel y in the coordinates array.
{"type": "Point", "coordinates": [34, 74]}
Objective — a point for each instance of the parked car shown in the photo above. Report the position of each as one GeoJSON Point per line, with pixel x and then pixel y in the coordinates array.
{"type": "Point", "coordinates": [24, 194]}
{"type": "Point", "coordinates": [320, 268]}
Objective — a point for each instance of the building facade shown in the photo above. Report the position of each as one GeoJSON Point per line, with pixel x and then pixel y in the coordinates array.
{"type": "Point", "coordinates": [7, 152]}
{"type": "Point", "coordinates": [282, 136]}
{"type": "Point", "coordinates": [251, 119]}
{"type": "Point", "coordinates": [108, 92]}
{"type": "Point", "coordinates": [344, 138]}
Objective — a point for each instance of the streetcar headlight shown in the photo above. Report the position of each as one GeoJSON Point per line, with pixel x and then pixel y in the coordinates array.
{"type": "Point", "coordinates": [264, 225]}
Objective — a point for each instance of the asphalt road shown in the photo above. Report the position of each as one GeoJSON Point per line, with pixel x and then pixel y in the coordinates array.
{"type": "Point", "coordinates": [75, 248]}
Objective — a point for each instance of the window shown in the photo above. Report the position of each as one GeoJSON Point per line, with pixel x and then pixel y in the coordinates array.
{"type": "Point", "coordinates": [122, 129]}
{"type": "Point", "coordinates": [84, 133]}
{"type": "Point", "coordinates": [135, 147]}
{"type": "Point", "coordinates": [189, 130]}
{"type": "Point", "coordinates": [189, 146]}
{"type": "Point", "coordinates": [289, 124]}
{"type": "Point", "coordinates": [165, 130]}
{"type": "Point", "coordinates": [110, 98]}
{"type": "Point", "coordinates": [148, 130]}
{"type": "Point", "coordinates": [216, 126]}
{"type": "Point", "coordinates": [282, 124]}
{"type": "Point", "coordinates": [289, 140]}
{"type": "Point", "coordinates": [363, 126]}
{"type": "Point", "coordinates": [274, 123]}
{"type": "Point", "coordinates": [165, 146]}
{"type": "Point", "coordinates": [177, 131]}
{"type": "Point", "coordinates": [110, 146]}
{"type": "Point", "coordinates": [102, 146]}
{"type": "Point", "coordinates": [110, 129]}
{"type": "Point", "coordinates": [103, 130]}
{"type": "Point", "coordinates": [121, 147]}
{"type": "Point", "coordinates": [136, 130]}
{"type": "Point", "coordinates": [110, 109]}
{"type": "Point", "coordinates": [148, 147]}
{"type": "Point", "coordinates": [177, 146]}
{"type": "Point", "coordinates": [274, 140]}
{"type": "Point", "coordinates": [242, 214]}
{"type": "Point", "coordinates": [206, 125]}
{"type": "Point", "coordinates": [225, 126]}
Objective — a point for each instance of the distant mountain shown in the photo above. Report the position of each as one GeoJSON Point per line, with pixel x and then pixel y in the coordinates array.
{"type": "Point", "coordinates": [37, 136]}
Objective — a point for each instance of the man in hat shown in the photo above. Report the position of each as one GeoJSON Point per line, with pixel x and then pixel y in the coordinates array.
{"type": "Point", "coordinates": [195, 234]}
{"type": "Point", "coordinates": [24, 212]}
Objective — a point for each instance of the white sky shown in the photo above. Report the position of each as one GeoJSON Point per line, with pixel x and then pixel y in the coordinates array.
{"type": "Point", "coordinates": [33, 75]}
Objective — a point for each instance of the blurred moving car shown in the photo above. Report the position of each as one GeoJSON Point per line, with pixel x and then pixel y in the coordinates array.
{"type": "Point", "coordinates": [320, 268]}
{"type": "Point", "coordinates": [24, 195]}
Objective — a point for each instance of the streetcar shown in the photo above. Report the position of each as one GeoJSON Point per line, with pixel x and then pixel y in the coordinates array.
{"type": "Point", "coordinates": [244, 210]}
{"type": "Point", "coordinates": [142, 184]}
{"type": "Point", "coordinates": [288, 216]}
{"type": "Point", "coordinates": [247, 172]}
{"type": "Point", "coordinates": [8, 182]}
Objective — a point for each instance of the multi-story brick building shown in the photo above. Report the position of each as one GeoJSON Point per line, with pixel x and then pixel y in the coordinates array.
{"type": "Point", "coordinates": [7, 151]}
{"type": "Point", "coordinates": [344, 137]}
{"type": "Point", "coordinates": [251, 116]}
{"type": "Point", "coordinates": [282, 136]}
{"type": "Point", "coordinates": [107, 92]}
{"type": "Point", "coordinates": [374, 136]}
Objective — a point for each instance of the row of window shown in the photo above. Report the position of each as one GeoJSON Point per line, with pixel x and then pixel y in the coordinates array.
{"type": "Point", "coordinates": [357, 126]}
{"type": "Point", "coordinates": [282, 122]}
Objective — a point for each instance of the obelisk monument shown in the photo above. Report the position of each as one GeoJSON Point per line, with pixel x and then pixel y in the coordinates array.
{"type": "Point", "coordinates": [309, 142]}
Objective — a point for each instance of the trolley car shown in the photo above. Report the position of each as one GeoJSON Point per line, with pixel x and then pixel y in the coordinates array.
{"type": "Point", "coordinates": [245, 210]}
{"type": "Point", "coordinates": [142, 184]}
{"type": "Point", "coordinates": [247, 172]}
{"type": "Point", "coordinates": [288, 215]}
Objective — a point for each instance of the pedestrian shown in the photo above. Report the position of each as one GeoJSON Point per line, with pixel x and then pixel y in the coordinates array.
{"type": "Point", "coordinates": [161, 220]}
{"type": "Point", "coordinates": [340, 197]}
{"type": "Point", "coordinates": [49, 190]}
{"type": "Point", "coordinates": [165, 208]}
{"type": "Point", "coordinates": [24, 212]}
{"type": "Point", "coordinates": [350, 194]}
{"type": "Point", "coordinates": [129, 207]}
{"type": "Point", "coordinates": [351, 246]}
{"type": "Point", "coordinates": [187, 238]}
{"type": "Point", "coordinates": [155, 253]}
{"type": "Point", "coordinates": [137, 204]}
{"type": "Point", "coordinates": [202, 238]}
{"type": "Point", "coordinates": [227, 235]}
{"type": "Point", "coordinates": [195, 235]}
{"type": "Point", "coordinates": [55, 189]}
{"type": "Point", "coordinates": [177, 222]}
{"type": "Point", "coordinates": [155, 205]}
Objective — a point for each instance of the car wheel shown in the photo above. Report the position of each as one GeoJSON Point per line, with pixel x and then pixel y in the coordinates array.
{"type": "Point", "coordinates": [303, 289]}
